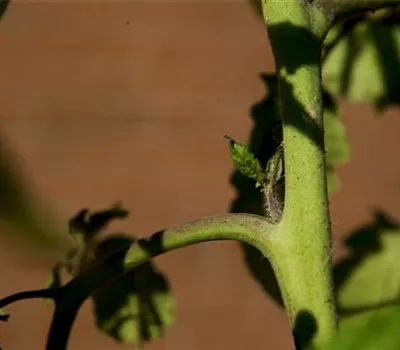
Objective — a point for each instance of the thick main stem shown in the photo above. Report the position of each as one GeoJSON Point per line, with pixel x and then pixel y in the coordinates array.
{"type": "Point", "coordinates": [305, 224]}
{"type": "Point", "coordinates": [304, 248]}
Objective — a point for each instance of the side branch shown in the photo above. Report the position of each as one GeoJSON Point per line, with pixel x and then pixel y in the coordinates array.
{"type": "Point", "coordinates": [47, 293]}
{"type": "Point", "coordinates": [251, 229]}
{"type": "Point", "coordinates": [247, 228]}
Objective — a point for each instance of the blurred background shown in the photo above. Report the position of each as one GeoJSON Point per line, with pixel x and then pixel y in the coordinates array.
{"type": "Point", "coordinates": [129, 101]}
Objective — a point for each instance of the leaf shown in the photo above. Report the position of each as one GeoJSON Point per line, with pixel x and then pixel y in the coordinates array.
{"type": "Point", "coordinates": [370, 276]}
{"type": "Point", "coordinates": [137, 306]}
{"type": "Point", "coordinates": [20, 208]}
{"type": "Point", "coordinates": [368, 288]}
{"type": "Point", "coordinates": [364, 64]}
{"type": "Point", "coordinates": [337, 147]}
{"type": "Point", "coordinates": [245, 162]}
{"type": "Point", "coordinates": [369, 331]}
{"type": "Point", "coordinates": [85, 228]}
{"type": "Point", "coordinates": [3, 7]}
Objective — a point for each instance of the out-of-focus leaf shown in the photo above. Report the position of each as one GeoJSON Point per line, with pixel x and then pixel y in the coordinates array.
{"type": "Point", "coordinates": [3, 7]}
{"type": "Point", "coordinates": [22, 211]}
{"type": "Point", "coordinates": [84, 227]}
{"type": "Point", "coordinates": [364, 64]}
{"type": "Point", "coordinates": [370, 276]}
{"type": "Point", "coordinates": [370, 330]}
{"type": "Point", "coordinates": [368, 288]}
{"type": "Point", "coordinates": [136, 306]}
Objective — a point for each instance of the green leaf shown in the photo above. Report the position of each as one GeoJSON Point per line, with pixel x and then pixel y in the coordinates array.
{"type": "Point", "coordinates": [370, 276]}
{"type": "Point", "coordinates": [363, 64]}
{"type": "Point", "coordinates": [245, 162]}
{"type": "Point", "coordinates": [371, 330]}
{"type": "Point", "coordinates": [368, 288]}
{"type": "Point", "coordinates": [137, 306]}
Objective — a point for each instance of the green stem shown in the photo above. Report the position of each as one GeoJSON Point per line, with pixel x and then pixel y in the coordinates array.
{"type": "Point", "coordinates": [241, 227]}
{"type": "Point", "coordinates": [296, 33]}
{"type": "Point", "coordinates": [251, 229]}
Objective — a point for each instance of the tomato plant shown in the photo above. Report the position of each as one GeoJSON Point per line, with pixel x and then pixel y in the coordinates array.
{"type": "Point", "coordinates": [323, 49]}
